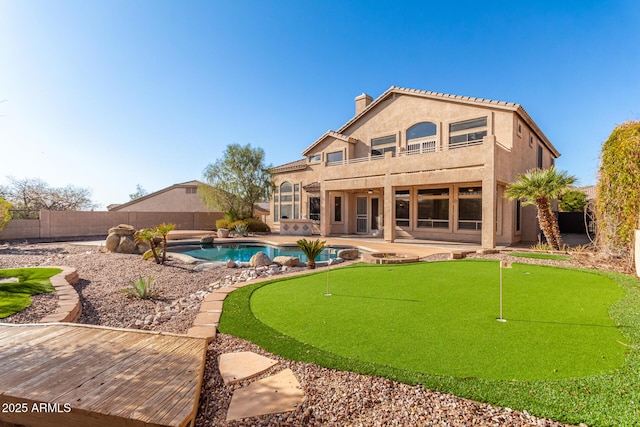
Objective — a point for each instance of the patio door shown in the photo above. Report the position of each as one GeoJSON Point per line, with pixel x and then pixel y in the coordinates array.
{"type": "Point", "coordinates": [362, 217]}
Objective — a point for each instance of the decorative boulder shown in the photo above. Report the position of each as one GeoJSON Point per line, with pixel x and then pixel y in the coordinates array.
{"type": "Point", "coordinates": [288, 261]}
{"type": "Point", "coordinates": [348, 254]}
{"type": "Point", "coordinates": [223, 233]}
{"type": "Point", "coordinates": [112, 242]}
{"type": "Point", "coordinates": [123, 230]}
{"type": "Point", "coordinates": [121, 239]}
{"type": "Point", "coordinates": [260, 260]}
{"type": "Point", "coordinates": [231, 264]}
{"type": "Point", "coordinates": [126, 245]}
{"type": "Point", "coordinates": [206, 240]}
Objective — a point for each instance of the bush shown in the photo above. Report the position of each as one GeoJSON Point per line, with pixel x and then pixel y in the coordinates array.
{"type": "Point", "coordinates": [222, 223]}
{"type": "Point", "coordinates": [140, 288]}
{"type": "Point", "coordinates": [254, 225]}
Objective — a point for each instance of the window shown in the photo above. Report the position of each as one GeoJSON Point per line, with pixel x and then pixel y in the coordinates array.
{"type": "Point", "coordinates": [403, 207]}
{"type": "Point", "coordinates": [460, 138]}
{"type": "Point", "coordinates": [382, 145]}
{"type": "Point", "coordinates": [433, 208]}
{"type": "Point", "coordinates": [518, 214]}
{"type": "Point", "coordinates": [470, 208]}
{"type": "Point", "coordinates": [421, 138]}
{"type": "Point", "coordinates": [286, 201]}
{"type": "Point", "coordinates": [531, 141]}
{"type": "Point", "coordinates": [315, 158]}
{"type": "Point", "coordinates": [337, 209]}
{"type": "Point", "coordinates": [335, 157]}
{"type": "Point", "coordinates": [539, 156]}
{"type": "Point", "coordinates": [314, 208]}
{"type": "Point", "coordinates": [191, 190]}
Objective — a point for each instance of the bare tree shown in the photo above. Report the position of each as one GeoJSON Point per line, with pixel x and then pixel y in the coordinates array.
{"type": "Point", "coordinates": [30, 195]}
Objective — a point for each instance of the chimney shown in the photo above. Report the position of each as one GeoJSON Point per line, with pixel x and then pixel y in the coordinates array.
{"type": "Point", "coordinates": [362, 102]}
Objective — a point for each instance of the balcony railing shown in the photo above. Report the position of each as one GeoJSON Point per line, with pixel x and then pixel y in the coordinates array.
{"type": "Point", "coordinates": [422, 147]}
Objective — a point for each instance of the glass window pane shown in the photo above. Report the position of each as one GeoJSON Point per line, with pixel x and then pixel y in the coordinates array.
{"type": "Point", "coordinates": [469, 191]}
{"type": "Point", "coordinates": [468, 124]}
{"type": "Point", "coordinates": [296, 211]}
{"type": "Point", "coordinates": [383, 141]}
{"type": "Point", "coordinates": [285, 198]}
{"type": "Point", "coordinates": [433, 192]}
{"type": "Point", "coordinates": [285, 212]}
{"type": "Point", "coordinates": [334, 157]}
{"type": "Point", "coordinates": [402, 212]}
{"type": "Point", "coordinates": [421, 130]}
{"type": "Point", "coordinates": [433, 209]}
{"type": "Point", "coordinates": [314, 208]}
{"type": "Point", "coordinates": [402, 193]}
{"type": "Point", "coordinates": [285, 187]}
{"type": "Point", "coordinates": [458, 139]}
{"type": "Point", "coordinates": [337, 213]}
{"type": "Point", "coordinates": [476, 136]}
{"type": "Point", "coordinates": [470, 209]}
{"type": "Point", "coordinates": [276, 213]}
{"type": "Point", "coordinates": [296, 187]}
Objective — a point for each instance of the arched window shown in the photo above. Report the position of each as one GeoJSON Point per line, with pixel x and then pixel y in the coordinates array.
{"type": "Point", "coordinates": [286, 201]}
{"type": "Point", "coordinates": [421, 138]}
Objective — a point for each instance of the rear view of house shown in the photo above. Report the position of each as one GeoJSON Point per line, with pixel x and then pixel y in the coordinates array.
{"type": "Point", "coordinates": [417, 164]}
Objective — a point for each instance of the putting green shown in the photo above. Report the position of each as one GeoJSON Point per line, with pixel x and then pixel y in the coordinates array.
{"type": "Point", "coordinates": [440, 318]}
{"type": "Point", "coordinates": [15, 297]}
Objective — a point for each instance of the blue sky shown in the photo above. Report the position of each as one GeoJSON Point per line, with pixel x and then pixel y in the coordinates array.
{"type": "Point", "coordinates": [111, 94]}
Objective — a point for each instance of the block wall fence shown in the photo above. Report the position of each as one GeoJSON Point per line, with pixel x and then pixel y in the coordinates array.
{"type": "Point", "coordinates": [58, 224]}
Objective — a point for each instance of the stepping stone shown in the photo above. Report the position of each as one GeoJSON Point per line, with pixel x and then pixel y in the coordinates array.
{"type": "Point", "coordinates": [235, 367]}
{"type": "Point", "coordinates": [271, 395]}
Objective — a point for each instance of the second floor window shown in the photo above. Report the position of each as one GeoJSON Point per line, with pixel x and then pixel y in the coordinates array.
{"type": "Point", "coordinates": [468, 132]}
{"type": "Point", "coordinates": [379, 146]}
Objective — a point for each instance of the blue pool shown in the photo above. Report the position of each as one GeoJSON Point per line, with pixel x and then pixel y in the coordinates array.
{"type": "Point", "coordinates": [243, 252]}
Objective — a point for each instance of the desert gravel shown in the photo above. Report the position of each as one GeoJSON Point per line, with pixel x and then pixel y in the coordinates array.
{"type": "Point", "coordinates": [333, 398]}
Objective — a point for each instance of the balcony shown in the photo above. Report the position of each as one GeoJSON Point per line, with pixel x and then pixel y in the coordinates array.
{"type": "Point", "coordinates": [418, 148]}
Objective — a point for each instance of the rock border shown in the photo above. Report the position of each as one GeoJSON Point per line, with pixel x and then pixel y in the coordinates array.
{"type": "Point", "coordinates": [69, 307]}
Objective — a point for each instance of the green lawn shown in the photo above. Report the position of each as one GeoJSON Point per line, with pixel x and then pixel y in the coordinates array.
{"type": "Point", "coordinates": [15, 297]}
{"type": "Point", "coordinates": [537, 255]}
{"type": "Point", "coordinates": [562, 353]}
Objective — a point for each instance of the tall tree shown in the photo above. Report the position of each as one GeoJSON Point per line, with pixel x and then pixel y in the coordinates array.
{"type": "Point", "coordinates": [573, 201]}
{"type": "Point", "coordinates": [237, 181]}
{"type": "Point", "coordinates": [28, 196]}
{"type": "Point", "coordinates": [5, 213]}
{"type": "Point", "coordinates": [618, 192]}
{"type": "Point", "coordinates": [140, 192]}
{"type": "Point", "coordinates": [540, 187]}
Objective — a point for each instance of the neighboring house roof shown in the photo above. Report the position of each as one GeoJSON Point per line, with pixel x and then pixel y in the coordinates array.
{"type": "Point", "coordinates": [589, 190]}
{"type": "Point", "coordinates": [117, 207]}
{"type": "Point", "coordinates": [262, 207]}
{"type": "Point", "coordinates": [291, 166]}
{"type": "Point", "coordinates": [394, 91]}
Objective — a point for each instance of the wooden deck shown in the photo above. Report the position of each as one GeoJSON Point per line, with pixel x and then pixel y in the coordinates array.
{"type": "Point", "coordinates": [80, 375]}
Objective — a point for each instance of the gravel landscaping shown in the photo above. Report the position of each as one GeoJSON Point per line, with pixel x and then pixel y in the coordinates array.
{"type": "Point", "coordinates": [334, 398]}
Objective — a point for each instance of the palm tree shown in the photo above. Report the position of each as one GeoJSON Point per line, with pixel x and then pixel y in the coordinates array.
{"type": "Point", "coordinates": [148, 236]}
{"type": "Point", "coordinates": [541, 187]}
{"type": "Point", "coordinates": [162, 230]}
{"type": "Point", "coordinates": [311, 249]}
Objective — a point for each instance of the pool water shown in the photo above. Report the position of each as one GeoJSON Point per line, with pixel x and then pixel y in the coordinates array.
{"type": "Point", "coordinates": [244, 252]}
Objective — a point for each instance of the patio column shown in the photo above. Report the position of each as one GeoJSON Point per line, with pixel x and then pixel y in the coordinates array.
{"type": "Point", "coordinates": [325, 211]}
{"type": "Point", "coordinates": [389, 221]}
{"type": "Point", "coordinates": [489, 196]}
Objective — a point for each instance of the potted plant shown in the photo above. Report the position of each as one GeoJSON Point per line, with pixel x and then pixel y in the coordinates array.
{"type": "Point", "coordinates": [311, 249]}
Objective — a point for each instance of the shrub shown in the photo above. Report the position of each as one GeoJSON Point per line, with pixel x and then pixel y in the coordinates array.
{"type": "Point", "coordinates": [256, 226]}
{"type": "Point", "coordinates": [5, 213]}
{"type": "Point", "coordinates": [232, 225]}
{"type": "Point", "coordinates": [240, 229]}
{"type": "Point", "coordinates": [140, 288]}
{"type": "Point", "coordinates": [311, 249]}
{"type": "Point", "coordinates": [618, 192]}
{"type": "Point", "coordinates": [222, 223]}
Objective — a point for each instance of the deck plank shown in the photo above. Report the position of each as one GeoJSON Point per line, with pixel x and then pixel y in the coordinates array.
{"type": "Point", "coordinates": [108, 376]}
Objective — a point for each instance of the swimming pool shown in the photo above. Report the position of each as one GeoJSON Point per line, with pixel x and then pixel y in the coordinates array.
{"type": "Point", "coordinates": [242, 252]}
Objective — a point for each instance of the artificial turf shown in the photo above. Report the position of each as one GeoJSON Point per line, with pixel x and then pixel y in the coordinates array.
{"type": "Point", "coordinates": [559, 355]}
{"type": "Point", "coordinates": [440, 318]}
{"type": "Point", "coordinates": [537, 255]}
{"type": "Point", "coordinates": [15, 297]}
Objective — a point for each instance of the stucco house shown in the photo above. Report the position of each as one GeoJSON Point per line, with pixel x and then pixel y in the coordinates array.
{"type": "Point", "coordinates": [181, 197]}
{"type": "Point", "coordinates": [416, 164]}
